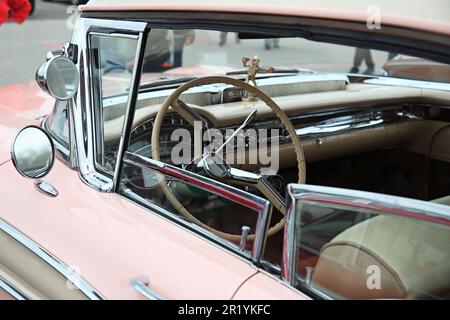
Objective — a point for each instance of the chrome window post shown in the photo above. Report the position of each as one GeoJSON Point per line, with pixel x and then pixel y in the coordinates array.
{"type": "Point", "coordinates": [131, 107]}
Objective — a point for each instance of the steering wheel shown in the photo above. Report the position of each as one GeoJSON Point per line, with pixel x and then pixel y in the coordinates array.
{"type": "Point", "coordinates": [235, 176]}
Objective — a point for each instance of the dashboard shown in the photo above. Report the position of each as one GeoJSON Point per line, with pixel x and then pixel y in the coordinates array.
{"type": "Point", "coordinates": [310, 127]}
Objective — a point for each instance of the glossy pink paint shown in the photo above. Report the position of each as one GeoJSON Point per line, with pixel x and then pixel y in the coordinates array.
{"type": "Point", "coordinates": [110, 240]}
{"type": "Point", "coordinates": [20, 105]}
{"type": "Point", "coordinates": [105, 237]}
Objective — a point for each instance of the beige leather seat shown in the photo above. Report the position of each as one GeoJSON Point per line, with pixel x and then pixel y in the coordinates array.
{"type": "Point", "coordinates": [443, 200]}
{"type": "Point", "coordinates": [413, 258]}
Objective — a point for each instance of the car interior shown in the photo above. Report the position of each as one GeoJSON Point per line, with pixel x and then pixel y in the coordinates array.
{"type": "Point", "coordinates": [389, 140]}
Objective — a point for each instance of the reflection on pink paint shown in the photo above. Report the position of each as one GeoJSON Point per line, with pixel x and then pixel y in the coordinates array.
{"type": "Point", "coordinates": [52, 44]}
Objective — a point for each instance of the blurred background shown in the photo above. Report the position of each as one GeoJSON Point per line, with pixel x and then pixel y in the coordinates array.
{"type": "Point", "coordinates": [23, 47]}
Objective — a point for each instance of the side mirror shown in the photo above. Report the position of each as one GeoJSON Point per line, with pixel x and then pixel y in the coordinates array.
{"type": "Point", "coordinates": [58, 77]}
{"type": "Point", "coordinates": [33, 155]}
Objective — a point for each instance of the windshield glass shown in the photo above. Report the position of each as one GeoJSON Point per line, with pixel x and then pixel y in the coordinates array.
{"type": "Point", "coordinates": [184, 54]}
{"type": "Point", "coordinates": [280, 67]}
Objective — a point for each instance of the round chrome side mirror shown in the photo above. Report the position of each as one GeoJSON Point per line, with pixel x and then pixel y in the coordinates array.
{"type": "Point", "coordinates": [33, 153]}
{"type": "Point", "coordinates": [58, 77]}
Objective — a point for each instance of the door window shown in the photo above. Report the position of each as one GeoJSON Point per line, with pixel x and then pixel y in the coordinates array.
{"type": "Point", "coordinates": [112, 59]}
{"type": "Point", "coordinates": [357, 245]}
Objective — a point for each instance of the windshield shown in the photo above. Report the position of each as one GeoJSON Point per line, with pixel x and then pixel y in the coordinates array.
{"type": "Point", "coordinates": [304, 112]}
{"type": "Point", "coordinates": [174, 56]}
{"type": "Point", "coordinates": [278, 66]}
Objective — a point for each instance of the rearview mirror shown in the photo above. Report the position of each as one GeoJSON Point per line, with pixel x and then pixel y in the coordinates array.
{"type": "Point", "coordinates": [58, 77]}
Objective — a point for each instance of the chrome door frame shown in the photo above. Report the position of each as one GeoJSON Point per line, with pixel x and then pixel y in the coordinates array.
{"type": "Point", "coordinates": [385, 204]}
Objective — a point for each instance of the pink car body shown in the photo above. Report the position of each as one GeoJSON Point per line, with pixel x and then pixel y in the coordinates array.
{"type": "Point", "coordinates": [107, 238]}
{"type": "Point", "coordinates": [81, 228]}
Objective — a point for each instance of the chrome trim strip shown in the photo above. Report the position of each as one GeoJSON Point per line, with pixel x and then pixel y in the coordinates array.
{"type": "Point", "coordinates": [73, 152]}
{"type": "Point", "coordinates": [11, 290]}
{"type": "Point", "coordinates": [62, 153]}
{"type": "Point", "coordinates": [51, 260]}
{"type": "Point", "coordinates": [141, 285]}
{"type": "Point", "coordinates": [340, 122]}
{"type": "Point", "coordinates": [425, 208]}
{"type": "Point", "coordinates": [188, 177]}
{"type": "Point", "coordinates": [114, 35]}
{"type": "Point", "coordinates": [288, 262]}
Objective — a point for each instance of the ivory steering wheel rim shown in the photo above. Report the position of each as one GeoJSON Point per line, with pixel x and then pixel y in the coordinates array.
{"type": "Point", "coordinates": [280, 114]}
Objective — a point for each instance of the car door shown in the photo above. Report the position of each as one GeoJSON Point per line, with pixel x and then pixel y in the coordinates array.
{"type": "Point", "coordinates": [118, 246]}
{"type": "Point", "coordinates": [350, 244]}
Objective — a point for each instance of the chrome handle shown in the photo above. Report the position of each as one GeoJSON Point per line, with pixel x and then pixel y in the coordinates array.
{"type": "Point", "coordinates": [141, 285]}
{"type": "Point", "coordinates": [244, 236]}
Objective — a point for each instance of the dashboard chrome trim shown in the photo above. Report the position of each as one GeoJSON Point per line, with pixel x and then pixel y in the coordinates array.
{"type": "Point", "coordinates": [358, 121]}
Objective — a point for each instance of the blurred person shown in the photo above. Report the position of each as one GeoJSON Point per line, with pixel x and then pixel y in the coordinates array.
{"type": "Point", "coordinates": [157, 51]}
{"type": "Point", "coordinates": [18, 10]}
{"type": "Point", "coordinates": [360, 55]}
{"type": "Point", "coordinates": [223, 38]}
{"type": "Point", "coordinates": [269, 43]}
{"type": "Point", "coordinates": [181, 38]}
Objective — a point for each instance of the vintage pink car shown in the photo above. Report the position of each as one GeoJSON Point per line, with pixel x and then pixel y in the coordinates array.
{"type": "Point", "coordinates": [169, 163]}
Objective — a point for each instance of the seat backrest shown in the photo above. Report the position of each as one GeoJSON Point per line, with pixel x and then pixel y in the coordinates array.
{"type": "Point", "coordinates": [443, 200]}
{"type": "Point", "coordinates": [411, 257]}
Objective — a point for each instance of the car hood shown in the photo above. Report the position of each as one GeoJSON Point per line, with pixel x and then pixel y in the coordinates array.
{"type": "Point", "coordinates": [20, 105]}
